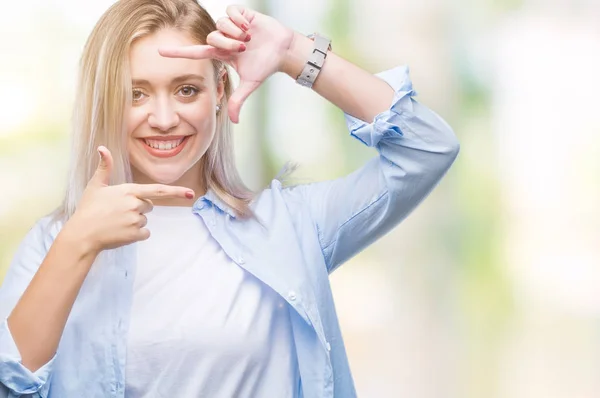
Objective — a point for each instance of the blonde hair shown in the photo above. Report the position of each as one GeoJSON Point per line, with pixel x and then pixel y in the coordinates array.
{"type": "Point", "coordinates": [104, 90]}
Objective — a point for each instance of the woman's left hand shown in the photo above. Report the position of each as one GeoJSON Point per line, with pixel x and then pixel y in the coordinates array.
{"type": "Point", "coordinates": [254, 44]}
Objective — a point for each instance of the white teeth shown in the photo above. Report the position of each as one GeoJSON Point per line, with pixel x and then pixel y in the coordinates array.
{"type": "Point", "coordinates": [163, 145]}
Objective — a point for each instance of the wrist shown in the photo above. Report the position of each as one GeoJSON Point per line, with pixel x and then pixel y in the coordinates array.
{"type": "Point", "coordinates": [76, 237]}
{"type": "Point", "coordinates": [295, 58]}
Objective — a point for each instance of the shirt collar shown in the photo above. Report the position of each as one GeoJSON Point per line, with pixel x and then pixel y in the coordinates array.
{"type": "Point", "coordinates": [211, 199]}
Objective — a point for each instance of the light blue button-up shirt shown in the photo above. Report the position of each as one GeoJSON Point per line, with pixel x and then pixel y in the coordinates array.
{"type": "Point", "coordinates": [301, 234]}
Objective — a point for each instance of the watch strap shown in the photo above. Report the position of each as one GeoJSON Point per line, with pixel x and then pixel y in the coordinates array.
{"type": "Point", "coordinates": [315, 61]}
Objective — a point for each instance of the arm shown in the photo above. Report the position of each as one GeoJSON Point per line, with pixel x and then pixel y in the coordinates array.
{"type": "Point", "coordinates": [416, 148]}
{"type": "Point", "coordinates": [39, 317]}
{"type": "Point", "coordinates": [38, 308]}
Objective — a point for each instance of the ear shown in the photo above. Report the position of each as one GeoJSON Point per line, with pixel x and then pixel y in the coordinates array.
{"type": "Point", "coordinates": [221, 80]}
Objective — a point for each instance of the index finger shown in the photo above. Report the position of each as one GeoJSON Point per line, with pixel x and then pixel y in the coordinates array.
{"type": "Point", "coordinates": [200, 51]}
{"type": "Point", "coordinates": [159, 191]}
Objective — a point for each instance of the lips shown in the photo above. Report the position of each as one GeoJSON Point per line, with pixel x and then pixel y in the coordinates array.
{"type": "Point", "coordinates": [165, 147]}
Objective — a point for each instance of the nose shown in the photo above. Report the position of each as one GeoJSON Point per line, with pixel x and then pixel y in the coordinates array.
{"type": "Point", "coordinates": [163, 115]}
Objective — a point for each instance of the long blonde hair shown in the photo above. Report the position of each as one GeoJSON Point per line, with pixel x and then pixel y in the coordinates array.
{"type": "Point", "coordinates": [104, 90]}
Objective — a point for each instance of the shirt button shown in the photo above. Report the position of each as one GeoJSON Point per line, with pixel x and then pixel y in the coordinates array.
{"type": "Point", "coordinates": [328, 346]}
{"type": "Point", "coordinates": [292, 295]}
{"type": "Point", "coordinates": [241, 260]}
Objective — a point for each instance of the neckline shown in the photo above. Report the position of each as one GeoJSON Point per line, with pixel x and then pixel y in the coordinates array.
{"type": "Point", "coordinates": [172, 211]}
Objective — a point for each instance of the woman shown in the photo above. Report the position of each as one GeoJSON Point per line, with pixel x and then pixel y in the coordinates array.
{"type": "Point", "coordinates": [230, 295]}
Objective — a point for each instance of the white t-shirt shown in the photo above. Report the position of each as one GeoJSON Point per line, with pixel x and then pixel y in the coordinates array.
{"type": "Point", "coordinates": [201, 326]}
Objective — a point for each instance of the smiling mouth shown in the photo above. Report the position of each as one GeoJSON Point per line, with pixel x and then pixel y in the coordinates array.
{"type": "Point", "coordinates": [163, 147]}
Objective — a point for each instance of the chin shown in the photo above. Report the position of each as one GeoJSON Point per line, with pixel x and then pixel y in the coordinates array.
{"type": "Point", "coordinates": [182, 169]}
{"type": "Point", "coordinates": [167, 177]}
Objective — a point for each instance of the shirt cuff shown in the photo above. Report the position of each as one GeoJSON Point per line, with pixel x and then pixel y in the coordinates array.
{"type": "Point", "coordinates": [371, 133]}
{"type": "Point", "coordinates": [14, 375]}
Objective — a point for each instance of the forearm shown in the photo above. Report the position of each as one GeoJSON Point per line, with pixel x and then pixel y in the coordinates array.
{"type": "Point", "coordinates": [352, 89]}
{"type": "Point", "coordinates": [37, 321]}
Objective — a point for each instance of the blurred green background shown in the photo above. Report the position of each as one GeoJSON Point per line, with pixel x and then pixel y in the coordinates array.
{"type": "Point", "coordinates": [491, 287]}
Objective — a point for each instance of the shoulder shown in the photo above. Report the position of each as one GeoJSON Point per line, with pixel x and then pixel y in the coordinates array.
{"type": "Point", "coordinates": [277, 193]}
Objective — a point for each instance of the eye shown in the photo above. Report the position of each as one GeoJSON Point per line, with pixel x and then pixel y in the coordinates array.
{"type": "Point", "coordinates": [137, 95]}
{"type": "Point", "coordinates": [188, 91]}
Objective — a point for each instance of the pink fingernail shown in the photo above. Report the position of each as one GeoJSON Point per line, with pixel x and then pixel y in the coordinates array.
{"type": "Point", "coordinates": [248, 38]}
{"type": "Point", "coordinates": [242, 47]}
{"type": "Point", "coordinates": [189, 195]}
{"type": "Point", "coordinates": [245, 26]}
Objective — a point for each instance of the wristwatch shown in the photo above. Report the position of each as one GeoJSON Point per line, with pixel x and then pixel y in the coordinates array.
{"type": "Point", "coordinates": [315, 61]}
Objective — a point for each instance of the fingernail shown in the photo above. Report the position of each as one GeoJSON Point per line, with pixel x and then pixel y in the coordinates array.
{"type": "Point", "coordinates": [245, 26]}
{"type": "Point", "coordinates": [242, 47]}
{"type": "Point", "coordinates": [189, 195]}
{"type": "Point", "coordinates": [248, 37]}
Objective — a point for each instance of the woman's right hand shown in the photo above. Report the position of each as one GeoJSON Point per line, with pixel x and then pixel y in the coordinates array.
{"type": "Point", "coordinates": [108, 217]}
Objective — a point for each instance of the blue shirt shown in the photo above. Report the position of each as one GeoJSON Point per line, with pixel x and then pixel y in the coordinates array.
{"type": "Point", "coordinates": [301, 234]}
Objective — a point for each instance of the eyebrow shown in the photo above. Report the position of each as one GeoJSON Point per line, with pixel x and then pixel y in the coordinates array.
{"type": "Point", "coordinates": [177, 80]}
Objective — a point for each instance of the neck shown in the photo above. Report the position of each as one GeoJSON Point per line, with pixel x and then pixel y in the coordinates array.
{"type": "Point", "coordinates": [192, 179]}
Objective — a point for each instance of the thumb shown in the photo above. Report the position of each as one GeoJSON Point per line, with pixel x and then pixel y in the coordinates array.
{"type": "Point", "coordinates": [238, 97]}
{"type": "Point", "coordinates": [102, 175]}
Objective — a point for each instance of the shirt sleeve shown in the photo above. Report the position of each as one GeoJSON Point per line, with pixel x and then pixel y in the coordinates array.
{"type": "Point", "coordinates": [15, 379]}
{"type": "Point", "coordinates": [416, 148]}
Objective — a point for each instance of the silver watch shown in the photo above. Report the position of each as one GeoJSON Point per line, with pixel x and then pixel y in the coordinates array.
{"type": "Point", "coordinates": [315, 61]}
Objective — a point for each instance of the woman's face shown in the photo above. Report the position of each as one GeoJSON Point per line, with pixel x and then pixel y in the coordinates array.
{"type": "Point", "coordinates": [172, 119]}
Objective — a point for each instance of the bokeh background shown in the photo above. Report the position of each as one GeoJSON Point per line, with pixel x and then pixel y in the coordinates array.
{"type": "Point", "coordinates": [491, 287]}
